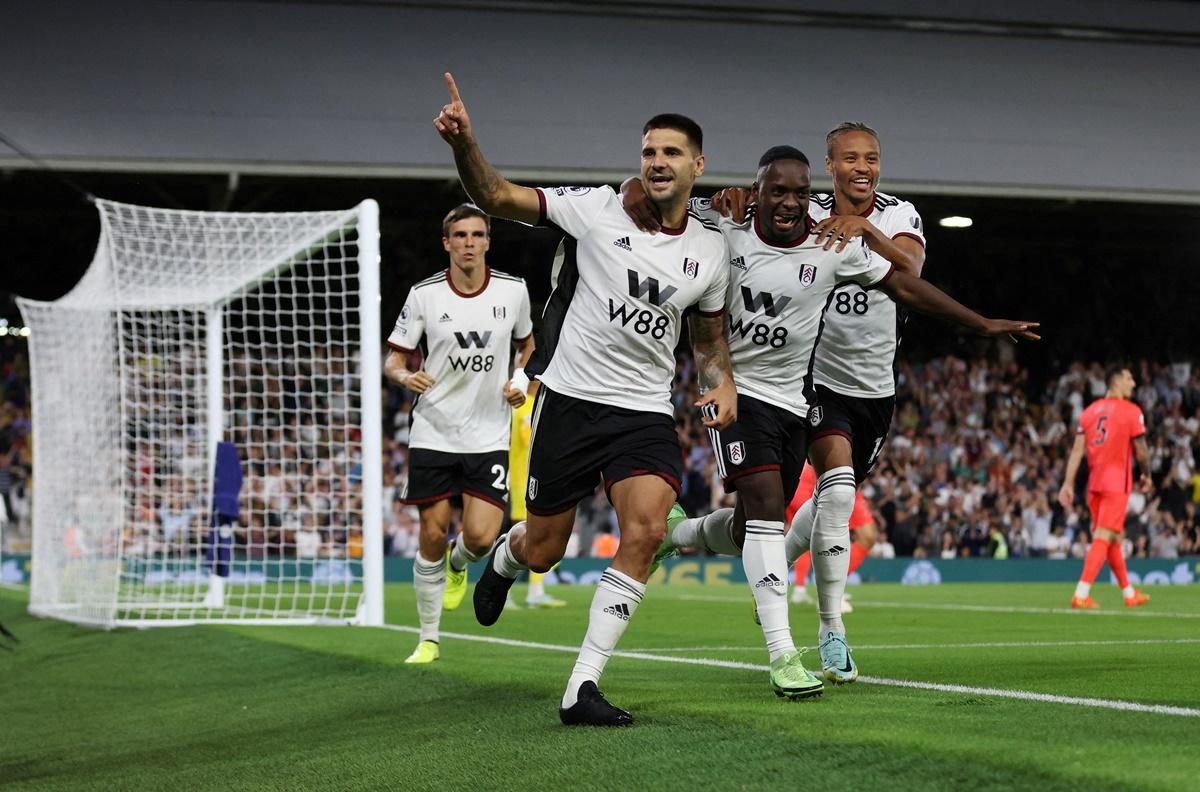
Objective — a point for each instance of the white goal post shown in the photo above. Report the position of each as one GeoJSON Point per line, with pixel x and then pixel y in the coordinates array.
{"type": "Point", "coordinates": [258, 332]}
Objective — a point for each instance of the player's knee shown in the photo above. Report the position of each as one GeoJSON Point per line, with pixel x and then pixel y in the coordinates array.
{"type": "Point", "coordinates": [837, 497]}
{"type": "Point", "coordinates": [541, 559]}
{"type": "Point", "coordinates": [642, 534]}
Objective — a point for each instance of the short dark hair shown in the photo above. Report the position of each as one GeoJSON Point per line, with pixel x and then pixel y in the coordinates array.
{"type": "Point", "coordinates": [843, 128]}
{"type": "Point", "coordinates": [781, 153]}
{"type": "Point", "coordinates": [680, 123]}
{"type": "Point", "coordinates": [462, 212]}
{"type": "Point", "coordinates": [1112, 371]}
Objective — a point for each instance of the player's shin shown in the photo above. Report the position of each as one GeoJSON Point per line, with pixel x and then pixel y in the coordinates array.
{"type": "Point", "coordinates": [766, 569]}
{"type": "Point", "coordinates": [713, 532]}
{"type": "Point", "coordinates": [429, 582]}
{"type": "Point", "coordinates": [462, 556]}
{"type": "Point", "coordinates": [506, 563]}
{"type": "Point", "coordinates": [1092, 564]}
{"type": "Point", "coordinates": [617, 597]}
{"type": "Point", "coordinates": [831, 544]}
{"type": "Point", "coordinates": [1116, 562]}
{"type": "Point", "coordinates": [799, 537]}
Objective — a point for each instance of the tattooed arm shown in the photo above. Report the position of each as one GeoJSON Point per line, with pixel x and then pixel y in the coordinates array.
{"type": "Point", "coordinates": [490, 191]}
{"type": "Point", "coordinates": [713, 370]}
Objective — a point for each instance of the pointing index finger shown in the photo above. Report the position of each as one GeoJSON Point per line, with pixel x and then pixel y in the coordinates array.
{"type": "Point", "coordinates": [453, 88]}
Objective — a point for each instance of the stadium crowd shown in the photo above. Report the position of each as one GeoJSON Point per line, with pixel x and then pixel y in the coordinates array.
{"type": "Point", "coordinates": [976, 455]}
{"type": "Point", "coordinates": [975, 458]}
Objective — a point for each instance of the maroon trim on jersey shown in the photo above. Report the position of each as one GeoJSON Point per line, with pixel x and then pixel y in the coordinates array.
{"type": "Point", "coordinates": [833, 212]}
{"type": "Point", "coordinates": [551, 512]}
{"type": "Point", "coordinates": [759, 469]}
{"type": "Point", "coordinates": [424, 501]}
{"type": "Point", "coordinates": [399, 348]}
{"type": "Point", "coordinates": [541, 205]}
{"type": "Point", "coordinates": [711, 314]}
{"type": "Point", "coordinates": [910, 236]}
{"type": "Point", "coordinates": [522, 338]}
{"type": "Point", "coordinates": [676, 231]}
{"type": "Point", "coordinates": [808, 227]}
{"type": "Point", "coordinates": [497, 503]}
{"type": "Point", "coordinates": [487, 278]}
{"type": "Point", "coordinates": [884, 279]}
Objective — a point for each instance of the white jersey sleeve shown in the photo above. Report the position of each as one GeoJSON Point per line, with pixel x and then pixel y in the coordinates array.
{"type": "Point", "coordinates": [523, 327]}
{"type": "Point", "coordinates": [574, 209]}
{"type": "Point", "coordinates": [862, 266]}
{"type": "Point", "coordinates": [902, 220]}
{"type": "Point", "coordinates": [410, 325]}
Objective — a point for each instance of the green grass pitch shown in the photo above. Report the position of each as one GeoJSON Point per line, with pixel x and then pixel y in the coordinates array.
{"type": "Point", "coordinates": [290, 708]}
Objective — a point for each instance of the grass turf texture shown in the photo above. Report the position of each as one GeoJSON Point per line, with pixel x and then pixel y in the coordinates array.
{"type": "Point", "coordinates": [221, 707]}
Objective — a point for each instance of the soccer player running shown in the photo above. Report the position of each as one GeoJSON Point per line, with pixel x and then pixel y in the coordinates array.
{"type": "Point", "coordinates": [784, 275]}
{"type": "Point", "coordinates": [603, 409]}
{"type": "Point", "coordinates": [462, 320]}
{"type": "Point", "coordinates": [1112, 430]}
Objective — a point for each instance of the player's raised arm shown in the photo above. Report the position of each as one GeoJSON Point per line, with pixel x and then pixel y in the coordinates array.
{"type": "Point", "coordinates": [490, 191]}
{"type": "Point", "coordinates": [917, 295]}
{"type": "Point", "coordinates": [714, 370]}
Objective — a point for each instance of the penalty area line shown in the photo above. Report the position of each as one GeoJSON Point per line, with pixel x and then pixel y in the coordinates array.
{"type": "Point", "coordinates": [1019, 695]}
{"type": "Point", "coordinates": [977, 608]}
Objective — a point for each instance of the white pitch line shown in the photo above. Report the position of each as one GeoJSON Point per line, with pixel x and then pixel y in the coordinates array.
{"type": "Point", "coordinates": [975, 608]}
{"type": "Point", "coordinates": [984, 645]}
{"type": "Point", "coordinates": [1021, 695]}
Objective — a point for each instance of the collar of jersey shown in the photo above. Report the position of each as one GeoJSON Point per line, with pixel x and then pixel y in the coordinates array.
{"type": "Point", "coordinates": [808, 227]}
{"type": "Point", "coordinates": [487, 278]}
{"type": "Point", "coordinates": [870, 207]}
{"type": "Point", "coordinates": [676, 231]}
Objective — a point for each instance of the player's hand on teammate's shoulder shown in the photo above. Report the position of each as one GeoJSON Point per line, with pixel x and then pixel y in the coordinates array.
{"type": "Point", "coordinates": [641, 210]}
{"type": "Point", "coordinates": [514, 396]}
{"type": "Point", "coordinates": [733, 202]}
{"type": "Point", "coordinates": [718, 407]}
{"type": "Point", "coordinates": [419, 381]}
{"type": "Point", "coordinates": [1017, 331]}
{"type": "Point", "coordinates": [840, 229]}
{"type": "Point", "coordinates": [453, 123]}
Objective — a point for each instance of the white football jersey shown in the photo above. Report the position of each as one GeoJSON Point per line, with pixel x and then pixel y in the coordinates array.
{"type": "Point", "coordinates": [611, 326]}
{"type": "Point", "coordinates": [857, 356]}
{"type": "Point", "coordinates": [776, 306]}
{"type": "Point", "coordinates": [466, 342]}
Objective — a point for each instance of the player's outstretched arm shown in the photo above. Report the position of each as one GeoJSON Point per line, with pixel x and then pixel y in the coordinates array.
{"type": "Point", "coordinates": [1066, 494]}
{"type": "Point", "coordinates": [907, 254]}
{"type": "Point", "coordinates": [395, 366]}
{"type": "Point", "coordinates": [714, 370]}
{"type": "Point", "coordinates": [490, 191]}
{"type": "Point", "coordinates": [917, 295]}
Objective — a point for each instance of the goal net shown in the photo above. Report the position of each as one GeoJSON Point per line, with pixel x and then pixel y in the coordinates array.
{"type": "Point", "coordinates": [250, 334]}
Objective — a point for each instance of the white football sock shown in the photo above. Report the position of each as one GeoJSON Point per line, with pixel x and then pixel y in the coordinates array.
{"type": "Point", "coordinates": [1129, 591]}
{"type": "Point", "coordinates": [831, 544]}
{"type": "Point", "coordinates": [712, 532]}
{"type": "Point", "coordinates": [766, 570]}
{"type": "Point", "coordinates": [799, 537]}
{"type": "Point", "coordinates": [461, 557]}
{"type": "Point", "coordinates": [1082, 590]}
{"type": "Point", "coordinates": [537, 587]}
{"type": "Point", "coordinates": [429, 582]}
{"type": "Point", "coordinates": [617, 597]}
{"type": "Point", "coordinates": [506, 564]}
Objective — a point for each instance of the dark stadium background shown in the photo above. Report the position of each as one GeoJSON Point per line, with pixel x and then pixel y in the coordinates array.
{"type": "Point", "coordinates": [1107, 279]}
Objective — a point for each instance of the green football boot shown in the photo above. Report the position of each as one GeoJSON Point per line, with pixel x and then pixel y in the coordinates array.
{"type": "Point", "coordinates": [426, 652]}
{"type": "Point", "coordinates": [668, 549]}
{"type": "Point", "coordinates": [790, 679]}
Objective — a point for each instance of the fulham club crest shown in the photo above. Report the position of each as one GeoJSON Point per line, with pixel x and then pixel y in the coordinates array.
{"type": "Point", "coordinates": [814, 415]}
{"type": "Point", "coordinates": [499, 311]}
{"type": "Point", "coordinates": [737, 452]}
{"type": "Point", "coordinates": [807, 275]}
{"type": "Point", "coordinates": [532, 488]}
{"type": "Point", "coordinates": [691, 268]}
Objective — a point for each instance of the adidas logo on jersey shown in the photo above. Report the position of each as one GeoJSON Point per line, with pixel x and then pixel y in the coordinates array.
{"type": "Point", "coordinates": [739, 262]}
{"type": "Point", "coordinates": [836, 550]}
{"type": "Point", "coordinates": [620, 610]}
{"type": "Point", "coordinates": [623, 243]}
{"type": "Point", "coordinates": [770, 581]}
{"type": "Point", "coordinates": [445, 318]}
